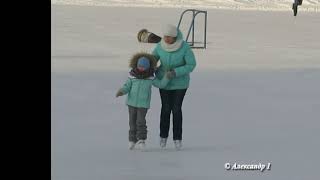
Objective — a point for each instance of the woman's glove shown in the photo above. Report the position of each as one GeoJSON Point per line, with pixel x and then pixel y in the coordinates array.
{"type": "Point", "coordinates": [119, 93]}
{"type": "Point", "coordinates": [171, 74]}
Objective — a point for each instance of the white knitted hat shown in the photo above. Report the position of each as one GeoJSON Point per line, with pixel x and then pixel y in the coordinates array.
{"type": "Point", "coordinates": [170, 30]}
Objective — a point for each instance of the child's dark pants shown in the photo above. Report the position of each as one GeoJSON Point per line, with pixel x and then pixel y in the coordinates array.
{"type": "Point", "coordinates": [137, 124]}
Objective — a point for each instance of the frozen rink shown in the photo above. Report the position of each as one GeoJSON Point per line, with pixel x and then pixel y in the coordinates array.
{"type": "Point", "coordinates": [254, 96]}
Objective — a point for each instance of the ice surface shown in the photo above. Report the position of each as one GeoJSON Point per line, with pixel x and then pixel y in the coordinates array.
{"type": "Point", "coordinates": [253, 98]}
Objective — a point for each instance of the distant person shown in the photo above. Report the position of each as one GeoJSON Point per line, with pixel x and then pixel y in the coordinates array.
{"type": "Point", "coordinates": [295, 5]}
{"type": "Point", "coordinates": [178, 59]}
{"type": "Point", "coordinates": [138, 87]}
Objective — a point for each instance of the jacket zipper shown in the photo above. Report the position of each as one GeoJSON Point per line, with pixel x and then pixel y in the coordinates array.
{"type": "Point", "coordinates": [138, 92]}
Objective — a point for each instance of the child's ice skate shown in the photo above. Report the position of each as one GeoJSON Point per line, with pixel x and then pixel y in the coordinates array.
{"type": "Point", "coordinates": [142, 145]}
{"type": "Point", "coordinates": [131, 145]}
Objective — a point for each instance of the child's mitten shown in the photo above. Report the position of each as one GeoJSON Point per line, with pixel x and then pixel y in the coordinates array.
{"type": "Point", "coordinates": [119, 93]}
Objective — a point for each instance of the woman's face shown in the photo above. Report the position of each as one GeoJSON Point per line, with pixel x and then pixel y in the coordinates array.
{"type": "Point", "coordinates": [169, 39]}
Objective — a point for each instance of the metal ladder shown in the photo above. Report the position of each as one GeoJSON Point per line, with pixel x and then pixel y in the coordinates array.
{"type": "Point", "coordinates": [194, 14]}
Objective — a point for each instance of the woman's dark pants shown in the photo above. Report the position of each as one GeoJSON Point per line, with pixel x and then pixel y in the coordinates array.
{"type": "Point", "coordinates": [171, 101]}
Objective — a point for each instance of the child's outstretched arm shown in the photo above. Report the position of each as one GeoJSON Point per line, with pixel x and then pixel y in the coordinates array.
{"type": "Point", "coordinates": [125, 88]}
{"type": "Point", "coordinates": [160, 83]}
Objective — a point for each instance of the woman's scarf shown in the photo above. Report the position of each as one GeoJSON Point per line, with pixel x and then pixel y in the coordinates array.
{"type": "Point", "coordinates": [171, 47]}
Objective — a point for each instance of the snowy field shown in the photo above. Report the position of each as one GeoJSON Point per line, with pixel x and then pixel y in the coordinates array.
{"type": "Point", "coordinates": [264, 5]}
{"type": "Point", "coordinates": [254, 96]}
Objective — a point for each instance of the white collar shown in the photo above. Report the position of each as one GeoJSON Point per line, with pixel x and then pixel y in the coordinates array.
{"type": "Point", "coordinates": [132, 77]}
{"type": "Point", "coordinates": [171, 47]}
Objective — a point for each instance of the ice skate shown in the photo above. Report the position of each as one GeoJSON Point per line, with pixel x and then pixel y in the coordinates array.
{"type": "Point", "coordinates": [178, 144]}
{"type": "Point", "coordinates": [141, 144]}
{"type": "Point", "coordinates": [163, 142]}
{"type": "Point", "coordinates": [131, 145]}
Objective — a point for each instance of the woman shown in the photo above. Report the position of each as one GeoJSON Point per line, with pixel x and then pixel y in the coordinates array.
{"type": "Point", "coordinates": [176, 57]}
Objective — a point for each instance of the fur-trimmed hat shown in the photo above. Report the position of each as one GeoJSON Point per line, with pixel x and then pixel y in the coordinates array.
{"type": "Point", "coordinates": [134, 60]}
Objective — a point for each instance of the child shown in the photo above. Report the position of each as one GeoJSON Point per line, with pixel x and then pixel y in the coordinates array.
{"type": "Point", "coordinates": [138, 87]}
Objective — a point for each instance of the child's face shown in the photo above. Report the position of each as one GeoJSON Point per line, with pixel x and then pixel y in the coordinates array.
{"type": "Point", "coordinates": [141, 69]}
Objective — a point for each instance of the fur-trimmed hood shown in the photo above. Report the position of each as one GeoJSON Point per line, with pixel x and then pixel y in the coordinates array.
{"type": "Point", "coordinates": [134, 60]}
{"type": "Point", "coordinates": [145, 74]}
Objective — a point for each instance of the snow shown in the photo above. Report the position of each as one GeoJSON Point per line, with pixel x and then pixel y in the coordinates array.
{"type": "Point", "coordinates": [253, 98]}
{"type": "Point", "coordinates": [265, 5]}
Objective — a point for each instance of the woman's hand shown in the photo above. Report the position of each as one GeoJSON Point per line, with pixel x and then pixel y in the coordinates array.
{"type": "Point", "coordinates": [171, 74]}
